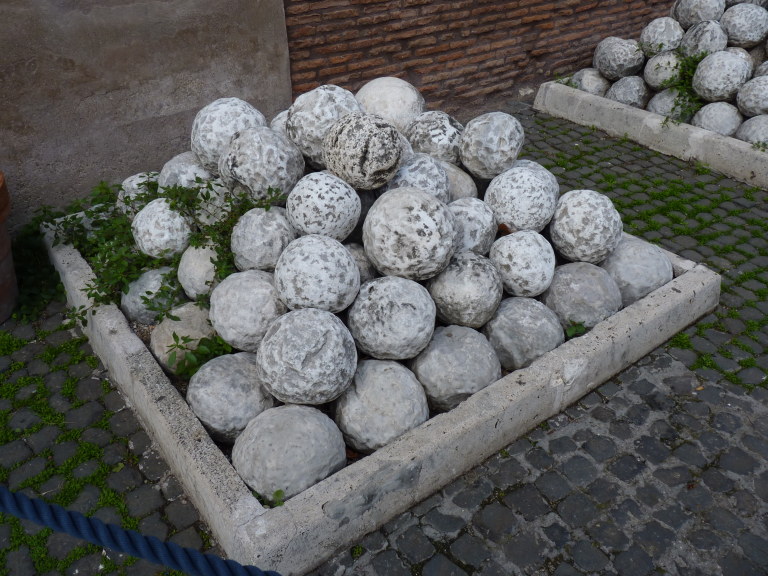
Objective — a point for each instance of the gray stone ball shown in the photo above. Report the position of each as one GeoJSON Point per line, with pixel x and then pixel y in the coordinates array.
{"type": "Point", "coordinates": [582, 293]}
{"type": "Point", "coordinates": [363, 150]}
{"type": "Point", "coordinates": [384, 402]}
{"type": "Point", "coordinates": [660, 35]}
{"type": "Point", "coordinates": [460, 184]}
{"type": "Point", "coordinates": [243, 306]}
{"type": "Point", "coordinates": [468, 291]}
{"type": "Point", "coordinates": [761, 70]}
{"type": "Point", "coordinates": [133, 303]}
{"type": "Point", "coordinates": [131, 187]}
{"type": "Point", "coordinates": [322, 203]}
{"type": "Point", "coordinates": [522, 330]}
{"type": "Point", "coordinates": [188, 321]}
{"type": "Point", "coordinates": [437, 134]}
{"type": "Point", "coordinates": [365, 267]}
{"type": "Point", "coordinates": [259, 237]}
{"type": "Point", "coordinates": [662, 69]}
{"type": "Point", "coordinates": [215, 124]}
{"type": "Point", "coordinates": [690, 12]}
{"type": "Point", "coordinates": [744, 55]}
{"type": "Point", "coordinates": [197, 271]}
{"type": "Point", "coordinates": [279, 121]}
{"type": "Point", "coordinates": [705, 37]}
{"type": "Point", "coordinates": [638, 268]}
{"type": "Point", "coordinates": [409, 233]}
{"type": "Point", "coordinates": [591, 81]}
{"type": "Point", "coordinates": [183, 170]}
{"type": "Point", "coordinates": [540, 170]}
{"type": "Point", "coordinates": [754, 130]}
{"type": "Point", "coordinates": [746, 25]}
{"type": "Point", "coordinates": [490, 144]}
{"type": "Point", "coordinates": [395, 100]}
{"type": "Point", "coordinates": [720, 117]}
{"type": "Point", "coordinates": [425, 173]}
{"type": "Point", "coordinates": [665, 103]}
{"type": "Point", "coordinates": [719, 76]}
{"type": "Point", "coordinates": [392, 318]}
{"type": "Point", "coordinates": [288, 448]}
{"type": "Point", "coordinates": [616, 58]}
{"type": "Point", "coordinates": [316, 271]}
{"type": "Point", "coordinates": [474, 226]}
{"type": "Point", "coordinates": [159, 231]}
{"type": "Point", "coordinates": [226, 393]}
{"type": "Point", "coordinates": [586, 226]}
{"type": "Point", "coordinates": [525, 261]}
{"type": "Point", "coordinates": [523, 198]}
{"type": "Point", "coordinates": [752, 98]}
{"type": "Point", "coordinates": [456, 363]}
{"type": "Point", "coordinates": [630, 90]}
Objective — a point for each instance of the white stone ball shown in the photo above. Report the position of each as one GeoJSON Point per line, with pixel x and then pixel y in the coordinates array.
{"type": "Point", "coordinates": [322, 203]}
{"type": "Point", "coordinates": [754, 130]}
{"type": "Point", "coordinates": [638, 268]}
{"type": "Point", "coordinates": [393, 99]}
{"type": "Point", "coordinates": [159, 231]}
{"type": "Point", "coordinates": [746, 25]}
{"type": "Point", "coordinates": [188, 321]}
{"type": "Point", "coordinates": [662, 69]}
{"type": "Point", "coordinates": [215, 124]}
{"type": "Point", "coordinates": [591, 81]}
{"type": "Point", "coordinates": [288, 448]}
{"type": "Point", "coordinates": [183, 170]}
{"type": "Point", "coordinates": [425, 173]}
{"type": "Point", "coordinates": [460, 184]}
{"type": "Point", "coordinates": [539, 169]}
{"type": "Point", "coordinates": [522, 330]}
{"type": "Point", "coordinates": [719, 76]}
{"type": "Point", "coordinates": [307, 357]}
{"type": "Point", "coordinates": [468, 291]}
{"type": "Point", "coordinates": [311, 116]}
{"type": "Point", "coordinates": [437, 134]}
{"type": "Point", "coordinates": [363, 150]}
{"type": "Point", "coordinates": [215, 202]}
{"type": "Point", "coordinates": [720, 117]}
{"type": "Point", "coordinates": [259, 237]}
{"type": "Point", "coordinates": [392, 318]}
{"type": "Point", "coordinates": [705, 37]}
{"type": "Point", "coordinates": [365, 267]}
{"type": "Point", "coordinates": [197, 271]}
{"type": "Point", "coordinates": [525, 261]}
{"type": "Point", "coordinates": [522, 198]}
{"type": "Point", "coordinates": [616, 58]}
{"type": "Point", "coordinates": [134, 303]}
{"type": "Point", "coordinates": [586, 226]}
{"type": "Point", "coordinates": [474, 226]}
{"type": "Point", "coordinates": [582, 293]}
{"type": "Point", "coordinates": [316, 271]}
{"type": "Point", "coordinates": [131, 187]}
{"type": "Point", "coordinates": [667, 103]}
{"type": "Point", "coordinates": [408, 233]}
{"type": "Point", "coordinates": [226, 393]}
{"type": "Point", "coordinates": [243, 306]}
{"type": "Point", "coordinates": [690, 12]}
{"type": "Point", "coordinates": [630, 90]}
{"type": "Point", "coordinates": [752, 98]}
{"type": "Point", "coordinates": [490, 144]}
{"type": "Point", "coordinates": [384, 402]}
{"type": "Point", "coordinates": [744, 55]}
{"type": "Point", "coordinates": [279, 121]}
{"type": "Point", "coordinates": [660, 35]}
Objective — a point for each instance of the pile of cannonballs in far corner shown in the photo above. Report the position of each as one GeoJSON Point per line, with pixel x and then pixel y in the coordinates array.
{"type": "Point", "coordinates": [730, 37]}
{"type": "Point", "coordinates": [385, 287]}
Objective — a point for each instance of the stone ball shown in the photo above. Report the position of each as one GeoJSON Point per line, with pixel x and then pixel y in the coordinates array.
{"type": "Point", "coordinates": [188, 321]}
{"type": "Point", "coordinates": [719, 76]}
{"type": "Point", "coordinates": [522, 330]}
{"type": "Point", "coordinates": [437, 134]}
{"type": "Point", "coordinates": [662, 69]}
{"type": "Point", "coordinates": [142, 292]}
{"type": "Point", "coordinates": [539, 169]}
{"type": "Point", "coordinates": [752, 98]}
{"type": "Point", "coordinates": [425, 173]}
{"type": "Point", "coordinates": [288, 448]}
{"type": "Point", "coordinates": [226, 393]}
{"type": "Point", "coordinates": [259, 237]}
{"type": "Point", "coordinates": [215, 202]}
{"type": "Point", "coordinates": [638, 268]}
{"type": "Point", "coordinates": [468, 291]}
{"type": "Point", "coordinates": [159, 231]}
{"type": "Point", "coordinates": [322, 203]}
{"type": "Point", "coordinates": [522, 198]}
{"type": "Point", "coordinates": [316, 271]}
{"type": "Point", "coordinates": [672, 104]}
{"type": "Point", "coordinates": [384, 402]}
{"type": "Point", "coordinates": [705, 37]}
{"type": "Point", "coordinates": [720, 117]}
{"type": "Point", "coordinates": [744, 55]}
{"type": "Point", "coordinates": [630, 90]}
{"type": "Point", "coordinates": [279, 121]}
{"type": "Point", "coordinates": [582, 293]}
{"type": "Point", "coordinates": [460, 184]}
{"type": "Point", "coordinates": [490, 144]}
{"type": "Point", "coordinates": [474, 226]}
{"type": "Point", "coordinates": [183, 170]}
{"type": "Point", "coordinates": [591, 81]}
{"type": "Point", "coordinates": [761, 70]}
{"type": "Point", "coordinates": [691, 12]}
{"type": "Point", "coordinates": [215, 124]}
{"type": "Point", "coordinates": [197, 271]}
{"type": "Point", "coordinates": [364, 266]}
{"type": "Point", "coordinates": [392, 318]}
{"type": "Point", "coordinates": [362, 150]}
{"type": "Point", "coordinates": [616, 58]}
{"type": "Point", "coordinates": [243, 306]}
{"type": "Point", "coordinates": [395, 100]}
{"type": "Point", "coordinates": [746, 25]}
{"type": "Point", "coordinates": [258, 159]}
{"type": "Point", "coordinates": [408, 233]}
{"type": "Point", "coordinates": [525, 261]}
{"type": "Point", "coordinates": [661, 35]}
{"type": "Point", "coordinates": [586, 226]}
{"type": "Point", "coordinates": [311, 116]}
{"type": "Point", "coordinates": [758, 55]}
{"type": "Point", "coordinates": [754, 130]}
{"type": "Point", "coordinates": [131, 189]}
{"type": "Point", "coordinates": [456, 363]}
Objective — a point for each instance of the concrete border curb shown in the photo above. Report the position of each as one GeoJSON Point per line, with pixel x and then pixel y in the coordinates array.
{"type": "Point", "coordinates": [337, 512]}
{"type": "Point", "coordinates": [734, 158]}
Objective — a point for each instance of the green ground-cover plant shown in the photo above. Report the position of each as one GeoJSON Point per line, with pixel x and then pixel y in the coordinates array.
{"type": "Point", "coordinates": [687, 101]}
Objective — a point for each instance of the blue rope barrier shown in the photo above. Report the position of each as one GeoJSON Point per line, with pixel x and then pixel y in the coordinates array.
{"type": "Point", "coordinates": [115, 538]}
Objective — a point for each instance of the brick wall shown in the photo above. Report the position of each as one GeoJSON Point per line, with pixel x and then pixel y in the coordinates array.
{"type": "Point", "coordinates": [456, 52]}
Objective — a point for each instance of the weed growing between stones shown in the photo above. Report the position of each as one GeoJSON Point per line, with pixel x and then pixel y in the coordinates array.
{"type": "Point", "coordinates": [687, 101]}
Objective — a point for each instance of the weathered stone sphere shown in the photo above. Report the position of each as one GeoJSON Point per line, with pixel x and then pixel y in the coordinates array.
{"type": "Point", "coordinates": [590, 80]}
{"type": "Point", "coordinates": [182, 170]}
{"type": "Point", "coordinates": [638, 268]}
{"type": "Point", "coordinates": [307, 357]}
{"type": "Point", "coordinates": [616, 58]}
{"type": "Point", "coordinates": [243, 306]}
{"type": "Point", "coordinates": [322, 203]}
{"type": "Point", "coordinates": [522, 198]}
{"type": "Point", "coordinates": [490, 144]}
{"type": "Point", "coordinates": [754, 130]}
{"type": "Point", "coordinates": [160, 231]}
{"type": "Point", "coordinates": [660, 35]}
{"type": "Point", "coordinates": [197, 271]}
{"type": "Point", "coordinates": [437, 134]}
{"type": "Point", "coordinates": [131, 187]}
{"type": "Point", "coordinates": [364, 266]}
{"type": "Point", "coordinates": [539, 169]}
{"type": "Point", "coordinates": [392, 318]}
{"type": "Point", "coordinates": [288, 448]}
{"type": "Point", "coordinates": [311, 116]}
{"type": "Point", "coordinates": [226, 393]}
{"type": "Point", "coordinates": [744, 55]}
{"type": "Point", "coordinates": [279, 121]}
{"type": "Point", "coordinates": [362, 150]}
{"type": "Point", "coordinates": [720, 117]}
{"type": "Point", "coordinates": [408, 233]}
{"type": "Point", "coordinates": [460, 184]}
{"type": "Point", "coordinates": [582, 293]}
{"type": "Point", "coordinates": [425, 173]}
{"type": "Point", "coordinates": [522, 330]}
{"type": "Point", "coordinates": [690, 12]}
{"type": "Point", "coordinates": [474, 226]}
{"type": "Point", "coordinates": [259, 237]}
{"type": "Point", "coordinates": [662, 69]}
{"type": "Point", "coordinates": [468, 291]}
{"type": "Point", "coordinates": [133, 303]}
{"type": "Point", "coordinates": [215, 124]}
{"type": "Point", "coordinates": [746, 25]}
{"type": "Point", "coordinates": [671, 104]}
{"type": "Point", "coordinates": [258, 159]}
{"type": "Point", "coordinates": [393, 99]}
{"type": "Point", "coordinates": [719, 76]}
{"type": "Point", "coordinates": [752, 98]}
{"type": "Point", "coordinates": [705, 37]}
{"type": "Point", "coordinates": [384, 402]}
{"type": "Point", "coordinates": [586, 227]}
{"type": "Point", "coordinates": [525, 261]}
{"type": "Point", "coordinates": [188, 321]}
{"type": "Point", "coordinates": [316, 271]}
{"type": "Point", "coordinates": [456, 363]}
{"type": "Point", "coordinates": [630, 90]}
